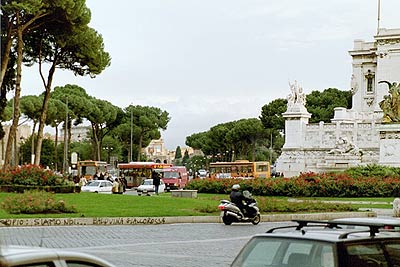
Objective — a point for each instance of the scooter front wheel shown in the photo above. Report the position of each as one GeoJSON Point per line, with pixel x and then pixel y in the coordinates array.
{"type": "Point", "coordinates": [227, 220]}
{"type": "Point", "coordinates": [256, 220]}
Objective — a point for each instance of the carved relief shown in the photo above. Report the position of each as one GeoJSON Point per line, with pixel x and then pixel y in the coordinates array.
{"type": "Point", "coordinates": [388, 41]}
{"type": "Point", "coordinates": [344, 146]}
{"type": "Point", "coordinates": [389, 150]}
{"type": "Point", "coordinates": [369, 101]}
{"type": "Point", "coordinates": [354, 84]}
{"type": "Point", "coordinates": [389, 135]}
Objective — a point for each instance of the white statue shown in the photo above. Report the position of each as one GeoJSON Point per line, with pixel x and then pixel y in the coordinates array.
{"type": "Point", "coordinates": [297, 95]}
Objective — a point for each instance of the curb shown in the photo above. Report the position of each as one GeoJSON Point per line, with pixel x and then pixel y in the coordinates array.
{"type": "Point", "coordinates": [103, 221]}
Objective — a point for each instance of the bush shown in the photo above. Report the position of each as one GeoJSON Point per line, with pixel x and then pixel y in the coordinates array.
{"type": "Point", "coordinates": [32, 175]}
{"type": "Point", "coordinates": [369, 181]}
{"type": "Point", "coordinates": [34, 202]}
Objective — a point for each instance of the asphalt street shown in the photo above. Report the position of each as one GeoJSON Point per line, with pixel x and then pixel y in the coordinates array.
{"type": "Point", "coordinates": [200, 244]}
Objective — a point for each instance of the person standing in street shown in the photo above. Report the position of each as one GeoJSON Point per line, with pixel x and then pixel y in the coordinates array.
{"type": "Point", "coordinates": [156, 181]}
{"type": "Point", "coordinates": [115, 186]}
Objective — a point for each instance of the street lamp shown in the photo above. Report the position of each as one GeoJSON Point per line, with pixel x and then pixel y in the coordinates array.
{"type": "Point", "coordinates": [65, 160]}
{"type": "Point", "coordinates": [130, 155]}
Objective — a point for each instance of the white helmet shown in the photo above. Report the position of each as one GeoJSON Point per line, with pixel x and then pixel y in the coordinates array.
{"type": "Point", "coordinates": [235, 187]}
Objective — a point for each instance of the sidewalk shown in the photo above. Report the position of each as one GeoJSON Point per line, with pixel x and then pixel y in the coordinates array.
{"type": "Point", "coordinates": [184, 219]}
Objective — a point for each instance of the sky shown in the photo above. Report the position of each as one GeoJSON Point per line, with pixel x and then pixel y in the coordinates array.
{"type": "Point", "coordinates": [208, 62]}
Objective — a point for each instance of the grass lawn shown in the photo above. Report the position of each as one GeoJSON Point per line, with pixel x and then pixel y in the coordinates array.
{"type": "Point", "coordinates": [163, 205]}
{"type": "Point", "coordinates": [107, 205]}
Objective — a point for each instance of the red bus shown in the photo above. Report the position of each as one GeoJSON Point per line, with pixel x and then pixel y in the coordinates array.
{"type": "Point", "coordinates": [175, 177]}
{"type": "Point", "coordinates": [136, 172]}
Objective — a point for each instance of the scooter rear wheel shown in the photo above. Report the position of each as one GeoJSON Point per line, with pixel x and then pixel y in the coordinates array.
{"type": "Point", "coordinates": [227, 220]}
{"type": "Point", "coordinates": [256, 220]}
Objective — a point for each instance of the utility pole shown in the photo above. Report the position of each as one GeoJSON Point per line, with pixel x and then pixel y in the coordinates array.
{"type": "Point", "coordinates": [270, 150]}
{"type": "Point", "coordinates": [379, 16]}
{"type": "Point", "coordinates": [65, 161]}
{"type": "Point", "coordinates": [130, 156]}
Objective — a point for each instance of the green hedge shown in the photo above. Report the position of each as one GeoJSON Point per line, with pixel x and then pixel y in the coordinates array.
{"type": "Point", "coordinates": [308, 185]}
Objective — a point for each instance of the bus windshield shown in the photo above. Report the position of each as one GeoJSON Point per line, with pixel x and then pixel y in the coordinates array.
{"type": "Point", "coordinates": [88, 168]}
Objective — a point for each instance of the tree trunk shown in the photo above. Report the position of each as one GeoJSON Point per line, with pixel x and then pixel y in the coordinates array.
{"type": "Point", "coordinates": [96, 141]}
{"type": "Point", "coordinates": [33, 143]}
{"type": "Point", "coordinates": [16, 111]}
{"type": "Point", "coordinates": [45, 107]}
{"type": "Point", "coordinates": [253, 151]}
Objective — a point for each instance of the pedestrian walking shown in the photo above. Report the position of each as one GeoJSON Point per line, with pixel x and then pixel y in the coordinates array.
{"type": "Point", "coordinates": [156, 181]}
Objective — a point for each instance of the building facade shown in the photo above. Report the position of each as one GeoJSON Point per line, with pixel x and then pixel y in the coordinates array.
{"type": "Point", "coordinates": [354, 136]}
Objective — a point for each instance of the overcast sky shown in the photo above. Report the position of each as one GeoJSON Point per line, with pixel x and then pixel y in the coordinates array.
{"type": "Point", "coordinates": [212, 61]}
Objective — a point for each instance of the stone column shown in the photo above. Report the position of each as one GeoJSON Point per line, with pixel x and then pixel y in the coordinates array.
{"type": "Point", "coordinates": [296, 121]}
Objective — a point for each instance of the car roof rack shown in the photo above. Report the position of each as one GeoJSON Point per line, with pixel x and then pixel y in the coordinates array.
{"type": "Point", "coordinates": [373, 226]}
{"type": "Point", "coordinates": [301, 224]}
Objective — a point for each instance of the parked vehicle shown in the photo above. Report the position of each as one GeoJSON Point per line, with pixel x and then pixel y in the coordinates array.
{"type": "Point", "coordinates": [136, 172]}
{"type": "Point", "coordinates": [98, 186]}
{"type": "Point", "coordinates": [88, 168]}
{"type": "Point", "coordinates": [324, 244]}
{"type": "Point", "coordinates": [147, 187]}
{"type": "Point", "coordinates": [231, 213]}
{"type": "Point", "coordinates": [240, 169]}
{"type": "Point", "coordinates": [18, 256]}
{"type": "Point", "coordinates": [175, 177]}
{"type": "Point", "coordinates": [202, 173]}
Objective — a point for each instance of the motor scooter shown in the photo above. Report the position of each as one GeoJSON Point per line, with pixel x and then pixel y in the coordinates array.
{"type": "Point", "coordinates": [231, 213]}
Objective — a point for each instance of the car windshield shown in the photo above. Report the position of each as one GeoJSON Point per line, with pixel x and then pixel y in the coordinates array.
{"type": "Point", "coordinates": [279, 252]}
{"type": "Point", "coordinates": [93, 183]}
{"type": "Point", "coordinates": [171, 174]}
{"type": "Point", "coordinates": [147, 182]}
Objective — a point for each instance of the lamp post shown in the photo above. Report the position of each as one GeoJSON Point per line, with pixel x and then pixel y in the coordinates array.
{"type": "Point", "coordinates": [270, 151]}
{"type": "Point", "coordinates": [65, 160]}
{"type": "Point", "coordinates": [130, 154]}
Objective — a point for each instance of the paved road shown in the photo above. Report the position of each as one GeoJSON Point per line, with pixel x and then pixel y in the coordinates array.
{"type": "Point", "coordinates": [205, 244]}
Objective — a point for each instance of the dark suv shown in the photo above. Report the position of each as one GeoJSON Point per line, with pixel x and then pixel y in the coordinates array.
{"type": "Point", "coordinates": [325, 244]}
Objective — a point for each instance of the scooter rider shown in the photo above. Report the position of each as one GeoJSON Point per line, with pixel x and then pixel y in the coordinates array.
{"type": "Point", "coordinates": [237, 198]}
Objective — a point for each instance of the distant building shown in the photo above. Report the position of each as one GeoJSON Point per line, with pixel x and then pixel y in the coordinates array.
{"type": "Point", "coordinates": [78, 133]}
{"type": "Point", "coordinates": [157, 152]}
{"type": "Point", "coordinates": [23, 133]}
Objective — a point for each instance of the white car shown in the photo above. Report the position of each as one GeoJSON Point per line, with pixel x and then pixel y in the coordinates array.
{"type": "Point", "coordinates": [18, 256]}
{"type": "Point", "coordinates": [202, 173]}
{"type": "Point", "coordinates": [98, 186]}
{"type": "Point", "coordinates": [147, 187]}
